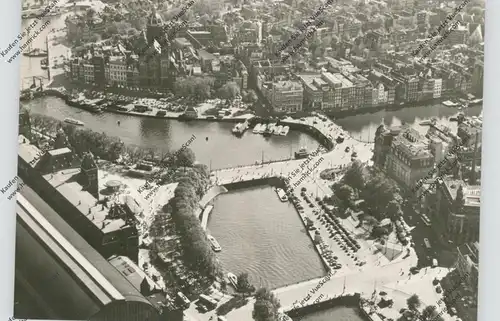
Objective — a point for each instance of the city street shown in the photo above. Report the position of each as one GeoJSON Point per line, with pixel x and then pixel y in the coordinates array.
{"type": "Point", "coordinates": [444, 255]}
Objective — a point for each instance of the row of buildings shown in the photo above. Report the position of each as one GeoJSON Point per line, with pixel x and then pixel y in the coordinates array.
{"type": "Point", "coordinates": [450, 195]}
{"type": "Point", "coordinates": [352, 66]}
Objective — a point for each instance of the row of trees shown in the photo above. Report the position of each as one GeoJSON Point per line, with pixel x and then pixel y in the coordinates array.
{"type": "Point", "coordinates": [197, 252]}
{"type": "Point", "coordinates": [81, 140]}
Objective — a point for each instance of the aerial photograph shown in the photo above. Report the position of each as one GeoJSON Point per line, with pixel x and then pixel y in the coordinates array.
{"type": "Point", "coordinates": [248, 160]}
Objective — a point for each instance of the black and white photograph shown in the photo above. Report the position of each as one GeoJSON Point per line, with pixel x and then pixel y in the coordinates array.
{"type": "Point", "coordinates": [248, 160]}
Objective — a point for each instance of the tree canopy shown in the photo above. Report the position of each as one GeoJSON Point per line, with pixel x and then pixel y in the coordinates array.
{"type": "Point", "coordinates": [354, 175]}
{"type": "Point", "coordinates": [413, 302]}
{"type": "Point", "coordinates": [266, 306]}
{"type": "Point", "coordinates": [230, 90]}
{"type": "Point", "coordinates": [196, 88]}
{"type": "Point", "coordinates": [244, 284]}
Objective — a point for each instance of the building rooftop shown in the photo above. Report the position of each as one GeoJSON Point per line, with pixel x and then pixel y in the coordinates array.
{"type": "Point", "coordinates": [412, 143]}
{"type": "Point", "coordinates": [287, 85]}
{"type": "Point", "coordinates": [64, 182]}
{"type": "Point", "coordinates": [60, 151]}
{"type": "Point", "coordinates": [29, 153]}
{"type": "Point", "coordinates": [472, 193]}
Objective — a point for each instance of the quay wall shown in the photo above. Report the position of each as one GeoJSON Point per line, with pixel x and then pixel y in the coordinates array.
{"type": "Point", "coordinates": [350, 301]}
{"type": "Point", "coordinates": [212, 193]}
{"type": "Point", "coordinates": [273, 181]}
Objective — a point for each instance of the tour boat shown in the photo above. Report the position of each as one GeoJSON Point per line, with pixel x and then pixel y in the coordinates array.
{"type": "Point", "coordinates": [284, 131]}
{"type": "Point", "coordinates": [302, 153]}
{"type": "Point", "coordinates": [278, 129]}
{"type": "Point", "coordinates": [428, 122]}
{"type": "Point", "coordinates": [281, 194]}
{"type": "Point", "coordinates": [257, 128]}
{"type": "Point", "coordinates": [240, 128]}
{"type": "Point", "coordinates": [233, 279]}
{"type": "Point", "coordinates": [73, 121]}
{"type": "Point", "coordinates": [449, 103]}
{"type": "Point", "coordinates": [476, 101]}
{"type": "Point", "coordinates": [37, 52]}
{"type": "Point", "coordinates": [215, 245]}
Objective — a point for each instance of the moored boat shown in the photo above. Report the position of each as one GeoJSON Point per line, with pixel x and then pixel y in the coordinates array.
{"type": "Point", "coordinates": [262, 128]}
{"type": "Point", "coordinates": [449, 103]}
{"type": "Point", "coordinates": [302, 153]}
{"type": "Point", "coordinates": [73, 121]}
{"type": "Point", "coordinates": [285, 131]}
{"type": "Point", "coordinates": [476, 101]}
{"type": "Point", "coordinates": [282, 195]}
{"type": "Point", "coordinates": [240, 128]}
{"type": "Point", "coordinates": [257, 128]}
{"type": "Point", "coordinates": [233, 279]}
{"type": "Point", "coordinates": [37, 52]}
{"type": "Point", "coordinates": [277, 130]}
{"type": "Point", "coordinates": [215, 245]}
{"type": "Point", "coordinates": [428, 122]}
{"type": "Point", "coordinates": [269, 130]}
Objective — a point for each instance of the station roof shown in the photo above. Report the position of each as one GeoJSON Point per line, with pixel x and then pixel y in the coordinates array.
{"type": "Point", "coordinates": [95, 273]}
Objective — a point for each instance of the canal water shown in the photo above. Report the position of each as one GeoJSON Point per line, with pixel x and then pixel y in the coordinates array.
{"type": "Point", "coordinates": [264, 237]}
{"type": "Point", "coordinates": [214, 145]}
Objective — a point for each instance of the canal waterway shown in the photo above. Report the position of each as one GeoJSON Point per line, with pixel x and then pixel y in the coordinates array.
{"type": "Point", "coordinates": [264, 237]}
{"type": "Point", "coordinates": [214, 145]}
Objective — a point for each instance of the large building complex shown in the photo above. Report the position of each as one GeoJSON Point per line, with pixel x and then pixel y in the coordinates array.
{"type": "Point", "coordinates": [70, 280]}
{"type": "Point", "coordinates": [71, 186]}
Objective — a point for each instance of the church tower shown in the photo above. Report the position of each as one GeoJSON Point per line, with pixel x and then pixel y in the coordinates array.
{"type": "Point", "coordinates": [154, 28]}
{"type": "Point", "coordinates": [88, 175]}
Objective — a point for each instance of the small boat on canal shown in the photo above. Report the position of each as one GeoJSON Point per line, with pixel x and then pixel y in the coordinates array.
{"type": "Point", "coordinates": [449, 103]}
{"type": "Point", "coordinates": [240, 128]}
{"type": "Point", "coordinates": [215, 245]}
{"type": "Point", "coordinates": [37, 52]}
{"type": "Point", "coordinates": [257, 128]}
{"type": "Point", "coordinates": [285, 131]}
{"type": "Point", "coordinates": [73, 121]}
{"type": "Point", "coordinates": [269, 130]}
{"type": "Point", "coordinates": [282, 195]}
{"type": "Point", "coordinates": [233, 279]}
{"type": "Point", "coordinates": [302, 153]}
{"type": "Point", "coordinates": [278, 129]}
